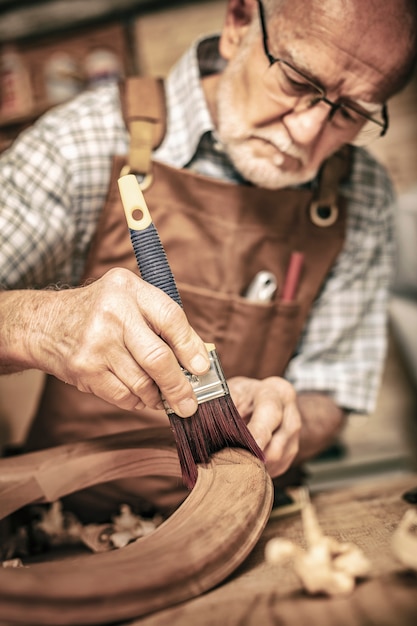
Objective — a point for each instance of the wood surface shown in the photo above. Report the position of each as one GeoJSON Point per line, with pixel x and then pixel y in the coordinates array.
{"type": "Point", "coordinates": [202, 543]}
{"type": "Point", "coordinates": [259, 594]}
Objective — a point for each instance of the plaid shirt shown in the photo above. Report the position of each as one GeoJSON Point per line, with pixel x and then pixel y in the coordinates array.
{"type": "Point", "coordinates": [54, 181]}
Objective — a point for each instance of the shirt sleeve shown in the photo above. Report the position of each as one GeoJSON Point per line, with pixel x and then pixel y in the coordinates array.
{"type": "Point", "coordinates": [53, 183]}
{"type": "Point", "coordinates": [343, 346]}
{"type": "Point", "coordinates": [36, 230]}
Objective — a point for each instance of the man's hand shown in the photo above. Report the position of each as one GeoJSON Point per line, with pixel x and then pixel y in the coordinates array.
{"type": "Point", "coordinates": [270, 409]}
{"type": "Point", "coordinates": [289, 428]}
{"type": "Point", "coordinates": [118, 338]}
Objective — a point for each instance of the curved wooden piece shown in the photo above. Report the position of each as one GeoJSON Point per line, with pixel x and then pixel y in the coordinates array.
{"type": "Point", "coordinates": [203, 542]}
{"type": "Point", "coordinates": [48, 475]}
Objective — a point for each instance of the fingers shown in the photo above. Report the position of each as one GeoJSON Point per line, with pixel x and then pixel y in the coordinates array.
{"type": "Point", "coordinates": [160, 356]}
{"type": "Point", "coordinates": [274, 419]}
{"type": "Point", "coordinates": [284, 444]}
{"type": "Point", "coordinates": [110, 388]}
{"type": "Point", "coordinates": [169, 321]}
{"type": "Point", "coordinates": [131, 388]}
{"type": "Point", "coordinates": [159, 369]}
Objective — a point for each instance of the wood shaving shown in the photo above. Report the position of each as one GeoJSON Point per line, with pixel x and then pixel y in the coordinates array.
{"type": "Point", "coordinates": [129, 527]}
{"type": "Point", "coordinates": [54, 527]}
{"type": "Point", "coordinates": [404, 540]}
{"type": "Point", "coordinates": [326, 566]}
{"type": "Point", "coordinates": [59, 527]}
{"type": "Point", "coordinates": [12, 563]}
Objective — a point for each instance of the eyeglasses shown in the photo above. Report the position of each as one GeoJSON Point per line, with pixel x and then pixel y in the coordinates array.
{"type": "Point", "coordinates": [282, 80]}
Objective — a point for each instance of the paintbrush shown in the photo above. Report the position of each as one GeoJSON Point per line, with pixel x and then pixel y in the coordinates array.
{"type": "Point", "coordinates": [216, 423]}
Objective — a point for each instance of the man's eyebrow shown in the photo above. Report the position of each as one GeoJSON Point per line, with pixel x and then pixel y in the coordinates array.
{"type": "Point", "coordinates": [288, 56]}
{"type": "Point", "coordinates": [368, 107]}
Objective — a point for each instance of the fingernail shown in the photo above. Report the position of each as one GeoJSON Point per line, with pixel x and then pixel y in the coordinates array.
{"type": "Point", "coordinates": [200, 364]}
{"type": "Point", "coordinates": [186, 407]}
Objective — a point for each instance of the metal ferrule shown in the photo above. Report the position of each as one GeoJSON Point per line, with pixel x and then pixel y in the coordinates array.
{"type": "Point", "coordinates": [209, 386]}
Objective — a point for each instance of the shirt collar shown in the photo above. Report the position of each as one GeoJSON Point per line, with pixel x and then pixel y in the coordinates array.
{"type": "Point", "coordinates": [188, 116]}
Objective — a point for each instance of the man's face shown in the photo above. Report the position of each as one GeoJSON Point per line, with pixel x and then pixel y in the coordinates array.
{"type": "Point", "coordinates": [273, 143]}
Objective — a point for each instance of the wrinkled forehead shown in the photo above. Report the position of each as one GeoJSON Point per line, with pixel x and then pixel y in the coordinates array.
{"type": "Point", "coordinates": [360, 34]}
{"type": "Point", "coordinates": [363, 15]}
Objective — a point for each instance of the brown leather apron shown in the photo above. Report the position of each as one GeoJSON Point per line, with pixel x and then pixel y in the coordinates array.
{"type": "Point", "coordinates": [217, 236]}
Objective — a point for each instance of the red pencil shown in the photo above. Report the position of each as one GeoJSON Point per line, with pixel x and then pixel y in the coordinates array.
{"type": "Point", "coordinates": [292, 278]}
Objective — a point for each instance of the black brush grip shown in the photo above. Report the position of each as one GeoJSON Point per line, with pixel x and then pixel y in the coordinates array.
{"type": "Point", "coordinates": [152, 261]}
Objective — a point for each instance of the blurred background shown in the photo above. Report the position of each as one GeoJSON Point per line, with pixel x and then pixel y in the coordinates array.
{"type": "Point", "coordinates": [52, 49]}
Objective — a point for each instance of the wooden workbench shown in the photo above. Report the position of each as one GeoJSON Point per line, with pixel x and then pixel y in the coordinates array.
{"type": "Point", "coordinates": [264, 595]}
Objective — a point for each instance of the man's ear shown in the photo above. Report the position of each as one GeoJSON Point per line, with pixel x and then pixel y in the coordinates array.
{"type": "Point", "coordinates": [239, 14]}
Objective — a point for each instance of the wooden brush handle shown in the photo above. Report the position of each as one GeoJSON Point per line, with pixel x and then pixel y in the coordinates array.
{"type": "Point", "coordinates": [150, 254]}
{"type": "Point", "coordinates": [149, 251]}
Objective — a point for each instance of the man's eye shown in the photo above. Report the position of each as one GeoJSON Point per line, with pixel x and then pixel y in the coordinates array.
{"type": "Point", "coordinates": [349, 114]}
{"type": "Point", "coordinates": [296, 85]}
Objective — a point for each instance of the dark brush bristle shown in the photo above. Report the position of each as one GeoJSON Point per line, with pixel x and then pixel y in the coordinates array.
{"type": "Point", "coordinates": [216, 425]}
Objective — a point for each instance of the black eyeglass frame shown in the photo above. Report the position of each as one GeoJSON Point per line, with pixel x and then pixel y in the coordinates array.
{"type": "Point", "coordinates": [334, 106]}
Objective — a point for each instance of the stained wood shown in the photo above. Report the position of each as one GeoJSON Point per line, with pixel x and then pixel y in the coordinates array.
{"type": "Point", "coordinates": [259, 594]}
{"type": "Point", "coordinates": [196, 548]}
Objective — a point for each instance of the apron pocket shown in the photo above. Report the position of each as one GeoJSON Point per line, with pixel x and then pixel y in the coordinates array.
{"type": "Point", "coordinates": [252, 339]}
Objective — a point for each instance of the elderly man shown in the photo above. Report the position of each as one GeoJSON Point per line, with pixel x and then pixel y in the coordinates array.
{"type": "Point", "coordinates": [255, 167]}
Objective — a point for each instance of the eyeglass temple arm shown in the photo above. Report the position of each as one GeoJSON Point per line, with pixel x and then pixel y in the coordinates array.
{"type": "Point", "coordinates": [271, 59]}
{"type": "Point", "coordinates": [385, 118]}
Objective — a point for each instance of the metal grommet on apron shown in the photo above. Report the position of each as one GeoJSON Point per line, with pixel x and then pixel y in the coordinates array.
{"type": "Point", "coordinates": [323, 215]}
{"type": "Point", "coordinates": [324, 208]}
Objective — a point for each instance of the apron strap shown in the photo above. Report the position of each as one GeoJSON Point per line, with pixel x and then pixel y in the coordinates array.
{"type": "Point", "coordinates": [144, 112]}
{"type": "Point", "coordinates": [324, 208]}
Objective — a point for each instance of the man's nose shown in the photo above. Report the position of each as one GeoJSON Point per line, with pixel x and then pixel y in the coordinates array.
{"type": "Point", "coordinates": [305, 126]}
